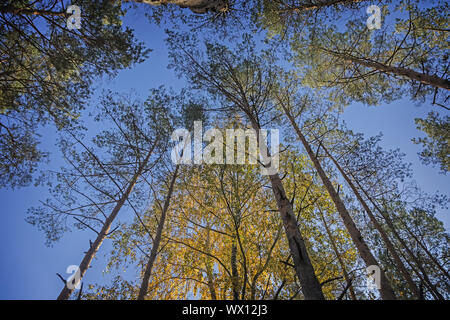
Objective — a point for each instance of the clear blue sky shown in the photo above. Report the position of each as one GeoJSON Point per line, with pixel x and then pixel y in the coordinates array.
{"type": "Point", "coordinates": [28, 268]}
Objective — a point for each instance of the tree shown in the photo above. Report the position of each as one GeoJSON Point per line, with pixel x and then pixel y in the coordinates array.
{"type": "Point", "coordinates": [157, 240]}
{"type": "Point", "coordinates": [236, 80]}
{"type": "Point", "coordinates": [436, 145]}
{"type": "Point", "coordinates": [102, 178]}
{"type": "Point", "coordinates": [374, 173]}
{"type": "Point", "coordinates": [47, 71]}
{"type": "Point", "coordinates": [377, 225]}
{"type": "Point", "coordinates": [288, 104]}
{"type": "Point", "coordinates": [405, 58]}
{"type": "Point", "coordinates": [369, 67]}
{"type": "Point", "coordinates": [190, 111]}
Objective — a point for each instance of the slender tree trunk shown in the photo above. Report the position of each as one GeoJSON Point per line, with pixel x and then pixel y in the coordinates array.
{"type": "Point", "coordinates": [259, 272]}
{"type": "Point", "coordinates": [156, 243]}
{"type": "Point", "coordinates": [244, 263]}
{"type": "Point", "coordinates": [386, 291]}
{"type": "Point", "coordinates": [339, 257]}
{"type": "Point", "coordinates": [90, 254]}
{"type": "Point", "coordinates": [401, 267]}
{"type": "Point", "coordinates": [234, 271]}
{"type": "Point", "coordinates": [303, 267]}
{"type": "Point", "coordinates": [208, 266]}
{"type": "Point", "coordinates": [431, 80]}
{"type": "Point", "coordinates": [211, 287]}
{"type": "Point", "coordinates": [236, 214]}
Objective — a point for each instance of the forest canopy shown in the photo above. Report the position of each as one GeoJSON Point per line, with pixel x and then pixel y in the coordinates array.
{"type": "Point", "coordinates": [339, 204]}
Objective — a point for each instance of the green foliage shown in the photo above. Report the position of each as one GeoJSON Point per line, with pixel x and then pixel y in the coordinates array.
{"type": "Point", "coordinates": [437, 143]}
{"type": "Point", "coordinates": [47, 71]}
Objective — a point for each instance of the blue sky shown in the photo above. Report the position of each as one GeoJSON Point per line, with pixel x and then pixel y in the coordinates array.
{"type": "Point", "coordinates": [28, 268]}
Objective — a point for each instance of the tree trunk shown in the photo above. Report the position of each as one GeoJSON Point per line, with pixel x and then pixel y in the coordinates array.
{"type": "Point", "coordinates": [384, 236]}
{"type": "Point", "coordinates": [259, 272]}
{"type": "Point", "coordinates": [196, 6]}
{"type": "Point", "coordinates": [209, 267]}
{"type": "Point", "coordinates": [303, 267]}
{"type": "Point", "coordinates": [339, 257]}
{"type": "Point", "coordinates": [154, 252]}
{"type": "Point", "coordinates": [386, 291]}
{"type": "Point", "coordinates": [234, 271]}
{"type": "Point", "coordinates": [90, 254]}
{"type": "Point", "coordinates": [427, 79]}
